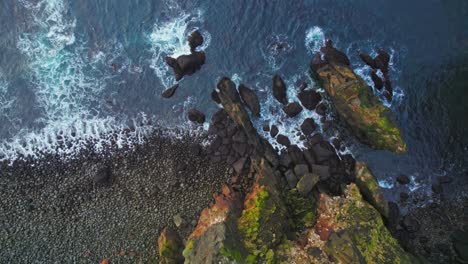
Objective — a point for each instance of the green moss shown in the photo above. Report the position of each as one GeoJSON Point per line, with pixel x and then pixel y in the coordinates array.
{"type": "Point", "coordinates": [302, 209]}
{"type": "Point", "coordinates": [232, 254]}
{"type": "Point", "coordinates": [372, 238]}
{"type": "Point", "coordinates": [249, 222]}
{"type": "Point", "coordinates": [188, 248]}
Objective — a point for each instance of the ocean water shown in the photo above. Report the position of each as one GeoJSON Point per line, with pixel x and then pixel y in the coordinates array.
{"type": "Point", "coordinates": [75, 72]}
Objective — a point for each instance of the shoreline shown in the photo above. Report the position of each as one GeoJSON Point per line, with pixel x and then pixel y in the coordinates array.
{"type": "Point", "coordinates": [100, 206]}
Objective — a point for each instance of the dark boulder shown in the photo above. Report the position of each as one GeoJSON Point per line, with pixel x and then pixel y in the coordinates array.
{"type": "Point", "coordinates": [367, 59]}
{"type": "Point", "coordinates": [196, 116]}
{"type": "Point", "coordinates": [168, 93]}
{"type": "Point", "coordinates": [382, 61]}
{"type": "Point", "coordinates": [292, 109]}
{"type": "Point", "coordinates": [274, 131]}
{"type": "Point", "coordinates": [332, 55]}
{"type": "Point", "coordinates": [250, 99]}
{"type": "Point", "coordinates": [195, 39]}
{"type": "Point", "coordinates": [283, 140]}
{"type": "Point", "coordinates": [308, 126]}
{"type": "Point", "coordinates": [186, 64]}
{"type": "Point", "coordinates": [279, 90]}
{"type": "Point", "coordinates": [309, 99]}
{"type": "Point", "coordinates": [321, 109]}
{"type": "Point", "coordinates": [301, 86]}
{"type": "Point", "coordinates": [436, 188]}
{"type": "Point", "coordinates": [403, 179]}
{"type": "Point", "coordinates": [378, 83]}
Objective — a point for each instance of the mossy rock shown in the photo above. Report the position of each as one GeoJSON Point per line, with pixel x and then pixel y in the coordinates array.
{"type": "Point", "coordinates": [368, 240]}
{"type": "Point", "coordinates": [303, 210]}
{"type": "Point", "coordinates": [356, 104]}
{"type": "Point", "coordinates": [370, 189]}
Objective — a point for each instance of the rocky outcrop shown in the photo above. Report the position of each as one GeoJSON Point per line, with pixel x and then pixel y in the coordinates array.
{"type": "Point", "coordinates": [250, 99]}
{"type": "Point", "coordinates": [356, 231]}
{"type": "Point", "coordinates": [356, 105]}
{"type": "Point", "coordinates": [370, 189]}
{"type": "Point", "coordinates": [186, 64]}
{"type": "Point", "coordinates": [215, 238]}
{"type": "Point", "coordinates": [195, 39]}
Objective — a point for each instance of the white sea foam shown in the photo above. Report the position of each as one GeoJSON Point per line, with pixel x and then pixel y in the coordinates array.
{"type": "Point", "coordinates": [6, 101]}
{"type": "Point", "coordinates": [274, 50]}
{"type": "Point", "coordinates": [272, 113]}
{"type": "Point", "coordinates": [314, 39]}
{"type": "Point", "coordinates": [67, 79]}
{"type": "Point", "coordinates": [386, 184]}
{"type": "Point", "coordinates": [169, 38]}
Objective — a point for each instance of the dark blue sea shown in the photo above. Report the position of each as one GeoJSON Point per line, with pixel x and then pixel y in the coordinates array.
{"type": "Point", "coordinates": [80, 71]}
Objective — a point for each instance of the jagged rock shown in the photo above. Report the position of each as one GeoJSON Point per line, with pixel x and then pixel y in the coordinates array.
{"type": "Point", "coordinates": [195, 39]}
{"type": "Point", "coordinates": [292, 109]}
{"type": "Point", "coordinates": [355, 103]}
{"type": "Point", "coordinates": [233, 106]}
{"type": "Point", "coordinates": [186, 64]}
{"type": "Point", "coordinates": [170, 247]}
{"type": "Point", "coordinates": [355, 231]}
{"type": "Point", "coordinates": [307, 183]}
{"type": "Point", "coordinates": [309, 99]}
{"type": "Point", "coordinates": [279, 90]}
{"type": "Point", "coordinates": [215, 97]}
{"type": "Point", "coordinates": [168, 93]}
{"type": "Point", "coordinates": [382, 61]}
{"type": "Point", "coordinates": [274, 131]}
{"type": "Point", "coordinates": [250, 99]}
{"type": "Point", "coordinates": [367, 59]}
{"type": "Point", "coordinates": [323, 151]}
{"type": "Point", "coordinates": [378, 83]}
{"type": "Point", "coordinates": [264, 222]}
{"type": "Point", "coordinates": [196, 116]}
{"type": "Point", "coordinates": [308, 126]}
{"type": "Point", "coordinates": [403, 179]}
{"type": "Point", "coordinates": [216, 236]}
{"type": "Point", "coordinates": [332, 55]}
{"type": "Point", "coordinates": [239, 165]}
{"type": "Point", "coordinates": [283, 140]}
{"type": "Point", "coordinates": [370, 189]}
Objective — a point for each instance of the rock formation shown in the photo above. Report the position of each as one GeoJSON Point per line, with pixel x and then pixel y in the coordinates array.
{"type": "Point", "coordinates": [357, 106]}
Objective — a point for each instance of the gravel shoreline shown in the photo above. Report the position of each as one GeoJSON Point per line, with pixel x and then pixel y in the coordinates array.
{"type": "Point", "coordinates": [94, 207]}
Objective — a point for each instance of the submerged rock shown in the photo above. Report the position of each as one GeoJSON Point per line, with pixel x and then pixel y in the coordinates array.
{"type": "Point", "coordinates": [250, 99]}
{"type": "Point", "coordinates": [279, 90]}
{"type": "Point", "coordinates": [356, 105]}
